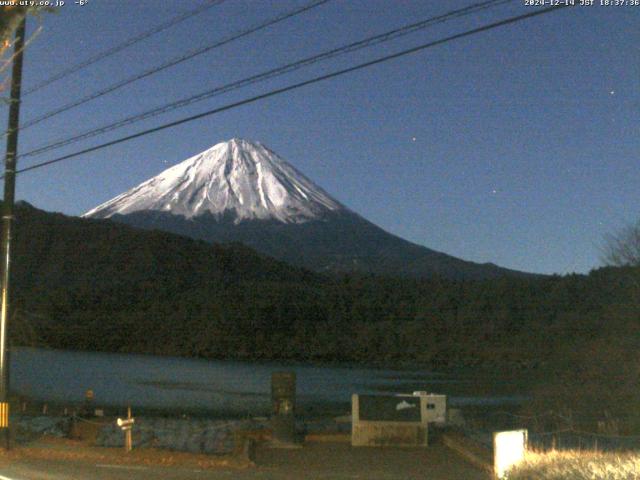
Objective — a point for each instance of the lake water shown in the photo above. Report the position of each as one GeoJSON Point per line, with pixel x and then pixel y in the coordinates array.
{"type": "Point", "coordinates": [224, 386]}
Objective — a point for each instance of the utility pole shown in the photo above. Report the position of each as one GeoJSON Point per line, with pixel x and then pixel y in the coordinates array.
{"type": "Point", "coordinates": [7, 221]}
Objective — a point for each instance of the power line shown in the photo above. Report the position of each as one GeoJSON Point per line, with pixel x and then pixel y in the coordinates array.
{"type": "Point", "coordinates": [295, 86]}
{"type": "Point", "coordinates": [173, 62]}
{"type": "Point", "coordinates": [117, 48]}
{"type": "Point", "coordinates": [367, 42]}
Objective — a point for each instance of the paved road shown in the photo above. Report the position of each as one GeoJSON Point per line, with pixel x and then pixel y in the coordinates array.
{"type": "Point", "coordinates": [314, 461]}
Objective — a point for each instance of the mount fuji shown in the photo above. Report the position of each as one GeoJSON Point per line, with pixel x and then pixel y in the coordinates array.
{"type": "Point", "coordinates": [240, 191]}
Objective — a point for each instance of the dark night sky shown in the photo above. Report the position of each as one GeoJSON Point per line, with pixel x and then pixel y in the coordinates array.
{"type": "Point", "coordinates": [517, 146]}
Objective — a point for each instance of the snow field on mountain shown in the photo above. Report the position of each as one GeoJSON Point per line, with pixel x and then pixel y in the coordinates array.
{"type": "Point", "coordinates": [237, 177]}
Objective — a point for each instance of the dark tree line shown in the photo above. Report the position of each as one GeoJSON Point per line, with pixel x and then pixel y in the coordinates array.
{"type": "Point", "coordinates": [95, 285]}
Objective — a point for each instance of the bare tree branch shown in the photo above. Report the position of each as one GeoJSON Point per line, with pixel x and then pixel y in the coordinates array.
{"type": "Point", "coordinates": [623, 248]}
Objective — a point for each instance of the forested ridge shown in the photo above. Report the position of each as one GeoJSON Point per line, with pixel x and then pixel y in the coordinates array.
{"type": "Point", "coordinates": [97, 285]}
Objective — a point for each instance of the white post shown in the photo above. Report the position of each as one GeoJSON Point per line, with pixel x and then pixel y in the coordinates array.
{"type": "Point", "coordinates": [508, 450]}
{"type": "Point", "coordinates": [128, 441]}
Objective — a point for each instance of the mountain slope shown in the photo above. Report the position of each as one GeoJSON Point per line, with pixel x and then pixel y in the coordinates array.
{"type": "Point", "coordinates": [342, 242]}
{"type": "Point", "coordinates": [239, 191]}
{"type": "Point", "coordinates": [99, 285]}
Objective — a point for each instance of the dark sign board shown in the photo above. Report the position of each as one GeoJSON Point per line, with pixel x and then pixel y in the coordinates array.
{"type": "Point", "coordinates": [387, 408]}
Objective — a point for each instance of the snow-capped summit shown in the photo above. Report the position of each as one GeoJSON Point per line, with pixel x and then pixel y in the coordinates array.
{"type": "Point", "coordinates": [239, 178]}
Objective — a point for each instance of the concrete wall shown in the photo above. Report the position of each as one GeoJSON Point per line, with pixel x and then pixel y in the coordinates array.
{"type": "Point", "coordinates": [386, 432]}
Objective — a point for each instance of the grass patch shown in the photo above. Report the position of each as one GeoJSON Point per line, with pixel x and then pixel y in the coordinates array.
{"type": "Point", "coordinates": [577, 465]}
